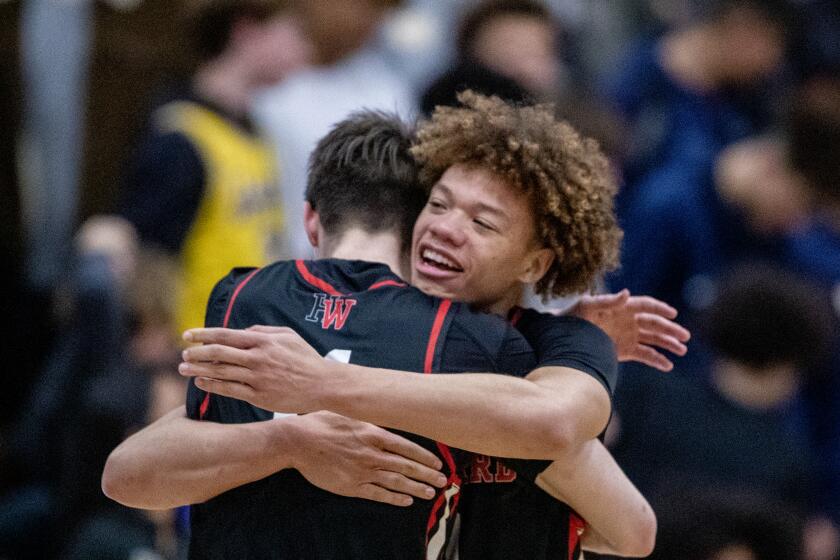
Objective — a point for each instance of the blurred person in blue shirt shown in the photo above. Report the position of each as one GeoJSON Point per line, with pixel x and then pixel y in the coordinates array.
{"type": "Point", "coordinates": [685, 98]}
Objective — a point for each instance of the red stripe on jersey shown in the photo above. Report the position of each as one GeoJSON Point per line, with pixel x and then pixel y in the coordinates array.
{"type": "Point", "coordinates": [515, 315]}
{"type": "Point", "coordinates": [453, 480]}
{"type": "Point", "coordinates": [205, 404]}
{"type": "Point", "coordinates": [235, 295]}
{"type": "Point", "coordinates": [383, 283]}
{"type": "Point", "coordinates": [433, 337]}
{"type": "Point", "coordinates": [576, 528]}
{"type": "Point", "coordinates": [315, 281]}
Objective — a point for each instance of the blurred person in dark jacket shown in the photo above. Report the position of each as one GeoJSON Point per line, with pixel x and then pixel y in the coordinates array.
{"type": "Point", "coordinates": [57, 445]}
{"type": "Point", "coordinates": [711, 523]}
{"type": "Point", "coordinates": [730, 424]}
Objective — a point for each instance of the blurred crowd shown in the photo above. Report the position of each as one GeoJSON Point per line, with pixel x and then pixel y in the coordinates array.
{"type": "Point", "coordinates": [149, 146]}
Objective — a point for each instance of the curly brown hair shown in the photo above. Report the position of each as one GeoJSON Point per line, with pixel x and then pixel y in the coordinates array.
{"type": "Point", "coordinates": [567, 178]}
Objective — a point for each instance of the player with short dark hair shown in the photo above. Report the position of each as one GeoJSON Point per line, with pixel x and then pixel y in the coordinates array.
{"type": "Point", "coordinates": [362, 173]}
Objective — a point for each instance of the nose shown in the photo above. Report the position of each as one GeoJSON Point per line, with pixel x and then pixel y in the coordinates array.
{"type": "Point", "coordinates": [449, 228]}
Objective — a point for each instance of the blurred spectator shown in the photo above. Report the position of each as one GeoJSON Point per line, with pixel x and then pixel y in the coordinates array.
{"type": "Point", "coordinates": [202, 184]}
{"type": "Point", "coordinates": [730, 423]}
{"type": "Point", "coordinates": [93, 390]}
{"type": "Point", "coordinates": [789, 187]}
{"type": "Point", "coordinates": [713, 523]}
{"type": "Point", "coordinates": [814, 250]}
{"type": "Point", "coordinates": [518, 50]}
{"type": "Point", "coordinates": [356, 71]}
{"type": "Point", "coordinates": [56, 42]}
{"type": "Point", "coordinates": [687, 97]}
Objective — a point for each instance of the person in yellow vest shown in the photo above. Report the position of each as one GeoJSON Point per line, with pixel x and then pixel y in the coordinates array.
{"type": "Point", "coordinates": [202, 184]}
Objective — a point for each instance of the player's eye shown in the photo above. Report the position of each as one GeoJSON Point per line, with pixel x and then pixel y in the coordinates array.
{"type": "Point", "coordinates": [484, 225]}
{"type": "Point", "coordinates": [436, 204]}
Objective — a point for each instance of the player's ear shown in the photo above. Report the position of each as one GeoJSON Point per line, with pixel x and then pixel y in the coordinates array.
{"type": "Point", "coordinates": [537, 263]}
{"type": "Point", "coordinates": [312, 223]}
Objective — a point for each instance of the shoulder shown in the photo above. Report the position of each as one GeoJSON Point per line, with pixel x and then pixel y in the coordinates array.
{"type": "Point", "coordinates": [487, 342]}
{"type": "Point", "coordinates": [571, 342]}
{"type": "Point", "coordinates": [563, 326]}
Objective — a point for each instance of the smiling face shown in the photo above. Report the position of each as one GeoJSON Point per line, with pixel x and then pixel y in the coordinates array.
{"type": "Point", "coordinates": [475, 241]}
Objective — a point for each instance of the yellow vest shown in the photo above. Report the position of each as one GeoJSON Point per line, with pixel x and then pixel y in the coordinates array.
{"type": "Point", "coordinates": [239, 221]}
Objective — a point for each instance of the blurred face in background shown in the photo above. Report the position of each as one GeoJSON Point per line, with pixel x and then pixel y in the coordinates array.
{"type": "Point", "coordinates": [735, 552]}
{"type": "Point", "coordinates": [340, 27]}
{"type": "Point", "coordinates": [750, 47]}
{"type": "Point", "coordinates": [520, 47]}
{"type": "Point", "coordinates": [274, 48]}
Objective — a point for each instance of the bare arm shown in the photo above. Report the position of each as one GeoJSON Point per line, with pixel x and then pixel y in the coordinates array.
{"type": "Point", "coordinates": [177, 461]}
{"type": "Point", "coordinates": [540, 417]}
{"type": "Point", "coordinates": [619, 519]}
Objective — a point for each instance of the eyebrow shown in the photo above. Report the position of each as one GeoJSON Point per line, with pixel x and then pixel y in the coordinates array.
{"type": "Point", "coordinates": [480, 206]}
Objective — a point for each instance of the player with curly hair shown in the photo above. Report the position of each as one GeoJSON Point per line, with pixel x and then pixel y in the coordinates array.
{"type": "Point", "coordinates": [565, 178]}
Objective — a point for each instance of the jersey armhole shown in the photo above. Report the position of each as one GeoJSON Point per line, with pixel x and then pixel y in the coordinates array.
{"type": "Point", "coordinates": [205, 404]}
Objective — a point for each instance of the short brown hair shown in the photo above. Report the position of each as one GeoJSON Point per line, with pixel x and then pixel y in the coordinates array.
{"type": "Point", "coordinates": [211, 21]}
{"type": "Point", "coordinates": [567, 178]}
{"type": "Point", "coordinates": [362, 174]}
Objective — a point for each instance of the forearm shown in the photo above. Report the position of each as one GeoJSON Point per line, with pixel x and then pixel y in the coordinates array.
{"type": "Point", "coordinates": [177, 461]}
{"type": "Point", "coordinates": [593, 484]}
{"type": "Point", "coordinates": [490, 414]}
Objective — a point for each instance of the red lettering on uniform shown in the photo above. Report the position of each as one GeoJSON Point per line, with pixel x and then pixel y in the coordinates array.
{"type": "Point", "coordinates": [503, 473]}
{"type": "Point", "coordinates": [336, 315]}
{"type": "Point", "coordinates": [480, 470]}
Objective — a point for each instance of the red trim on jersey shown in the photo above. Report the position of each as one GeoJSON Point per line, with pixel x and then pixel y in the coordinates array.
{"type": "Point", "coordinates": [315, 281]}
{"type": "Point", "coordinates": [205, 404]}
{"type": "Point", "coordinates": [453, 480]}
{"type": "Point", "coordinates": [576, 528]}
{"type": "Point", "coordinates": [383, 283]}
{"type": "Point", "coordinates": [516, 314]}
{"type": "Point", "coordinates": [433, 337]}
{"type": "Point", "coordinates": [235, 295]}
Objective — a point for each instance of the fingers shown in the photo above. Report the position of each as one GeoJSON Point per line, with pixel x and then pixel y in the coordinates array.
{"type": "Point", "coordinates": [379, 494]}
{"type": "Point", "coordinates": [225, 388]}
{"type": "Point", "coordinates": [228, 337]}
{"type": "Point", "coordinates": [663, 341]}
{"type": "Point", "coordinates": [267, 329]}
{"type": "Point", "coordinates": [225, 372]}
{"type": "Point", "coordinates": [654, 323]}
{"type": "Point", "coordinates": [395, 482]}
{"type": "Point", "coordinates": [217, 353]}
{"type": "Point", "coordinates": [603, 301]}
{"type": "Point", "coordinates": [414, 471]}
{"type": "Point", "coordinates": [647, 304]}
{"type": "Point", "coordinates": [410, 450]}
{"type": "Point", "coordinates": [650, 357]}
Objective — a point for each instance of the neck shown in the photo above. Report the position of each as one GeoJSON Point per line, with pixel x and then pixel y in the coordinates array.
{"type": "Point", "coordinates": [225, 83]}
{"type": "Point", "coordinates": [356, 244]}
{"type": "Point", "coordinates": [762, 390]}
{"type": "Point", "coordinates": [503, 306]}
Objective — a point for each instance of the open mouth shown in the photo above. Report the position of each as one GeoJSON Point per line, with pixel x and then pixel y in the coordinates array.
{"type": "Point", "coordinates": [438, 260]}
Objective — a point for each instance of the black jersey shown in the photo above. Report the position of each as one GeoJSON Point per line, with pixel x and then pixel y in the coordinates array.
{"type": "Point", "coordinates": [361, 313]}
{"type": "Point", "coordinates": [503, 514]}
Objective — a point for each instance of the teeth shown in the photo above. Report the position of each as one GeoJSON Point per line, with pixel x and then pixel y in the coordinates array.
{"type": "Point", "coordinates": [434, 256]}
